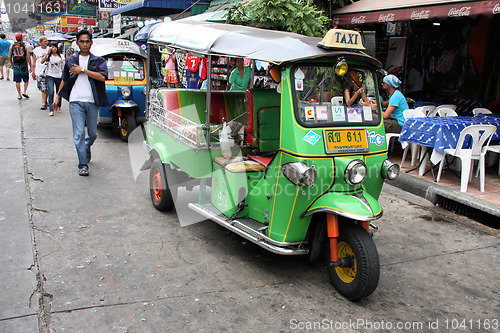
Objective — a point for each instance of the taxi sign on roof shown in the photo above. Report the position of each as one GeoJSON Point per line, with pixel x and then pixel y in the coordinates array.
{"type": "Point", "coordinates": [122, 44]}
{"type": "Point", "coordinates": [342, 39]}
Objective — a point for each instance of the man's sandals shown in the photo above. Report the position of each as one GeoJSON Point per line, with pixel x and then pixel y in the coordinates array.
{"type": "Point", "coordinates": [83, 171]}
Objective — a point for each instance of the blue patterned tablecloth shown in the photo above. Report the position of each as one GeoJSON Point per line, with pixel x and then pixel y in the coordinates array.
{"type": "Point", "coordinates": [441, 133]}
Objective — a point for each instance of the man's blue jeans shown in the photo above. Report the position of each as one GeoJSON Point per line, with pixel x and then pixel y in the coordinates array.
{"type": "Point", "coordinates": [83, 113]}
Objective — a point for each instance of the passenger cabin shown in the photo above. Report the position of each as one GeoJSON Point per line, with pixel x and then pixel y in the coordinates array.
{"type": "Point", "coordinates": [258, 110]}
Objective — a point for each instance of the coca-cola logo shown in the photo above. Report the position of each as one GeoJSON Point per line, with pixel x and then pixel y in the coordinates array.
{"type": "Point", "coordinates": [455, 12]}
{"type": "Point", "coordinates": [496, 9]}
{"type": "Point", "coordinates": [424, 14]}
{"type": "Point", "coordinates": [358, 20]}
{"type": "Point", "coordinates": [386, 18]}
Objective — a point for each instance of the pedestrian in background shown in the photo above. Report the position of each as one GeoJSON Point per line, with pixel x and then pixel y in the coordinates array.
{"type": "Point", "coordinates": [20, 59]}
{"type": "Point", "coordinates": [83, 86]}
{"type": "Point", "coordinates": [55, 65]}
{"type": "Point", "coordinates": [38, 53]}
{"type": "Point", "coordinates": [4, 56]}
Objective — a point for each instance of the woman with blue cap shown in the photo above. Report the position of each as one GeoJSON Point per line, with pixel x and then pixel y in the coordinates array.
{"type": "Point", "coordinates": [393, 115]}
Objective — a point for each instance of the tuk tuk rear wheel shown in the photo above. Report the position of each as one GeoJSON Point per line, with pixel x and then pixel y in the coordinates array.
{"type": "Point", "coordinates": [127, 125]}
{"type": "Point", "coordinates": [359, 274]}
{"type": "Point", "coordinates": [159, 189]}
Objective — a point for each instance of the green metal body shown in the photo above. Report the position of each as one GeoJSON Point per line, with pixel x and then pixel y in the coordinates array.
{"type": "Point", "coordinates": [270, 197]}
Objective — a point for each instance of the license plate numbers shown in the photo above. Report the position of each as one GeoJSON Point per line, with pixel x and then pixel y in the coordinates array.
{"type": "Point", "coordinates": [346, 141]}
{"type": "Point", "coordinates": [123, 80]}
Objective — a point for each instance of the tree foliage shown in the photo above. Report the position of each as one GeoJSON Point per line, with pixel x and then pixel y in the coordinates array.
{"type": "Point", "coordinates": [298, 16]}
{"type": "Point", "coordinates": [328, 6]}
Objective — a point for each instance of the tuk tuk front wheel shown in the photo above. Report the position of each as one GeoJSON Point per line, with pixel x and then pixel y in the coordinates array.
{"type": "Point", "coordinates": [159, 189]}
{"type": "Point", "coordinates": [359, 272]}
{"type": "Point", "coordinates": [127, 125]}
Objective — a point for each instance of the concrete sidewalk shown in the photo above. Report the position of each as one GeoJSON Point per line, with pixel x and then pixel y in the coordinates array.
{"type": "Point", "coordinates": [18, 280]}
{"type": "Point", "coordinates": [483, 207]}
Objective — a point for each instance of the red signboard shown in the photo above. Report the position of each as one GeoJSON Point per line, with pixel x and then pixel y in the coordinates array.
{"type": "Point", "coordinates": [75, 21]}
{"type": "Point", "coordinates": [69, 29]}
{"type": "Point", "coordinates": [472, 8]}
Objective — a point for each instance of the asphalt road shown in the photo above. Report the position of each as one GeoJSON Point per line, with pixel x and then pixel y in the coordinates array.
{"type": "Point", "coordinates": [91, 254]}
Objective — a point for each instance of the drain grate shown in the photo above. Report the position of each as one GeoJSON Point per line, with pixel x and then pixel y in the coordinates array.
{"type": "Point", "coordinates": [473, 213]}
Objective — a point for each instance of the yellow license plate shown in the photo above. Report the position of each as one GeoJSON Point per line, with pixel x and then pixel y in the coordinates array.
{"type": "Point", "coordinates": [124, 80]}
{"type": "Point", "coordinates": [346, 141]}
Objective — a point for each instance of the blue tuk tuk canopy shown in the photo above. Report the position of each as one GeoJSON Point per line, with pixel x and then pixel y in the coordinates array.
{"type": "Point", "coordinates": [241, 41]}
{"type": "Point", "coordinates": [152, 8]}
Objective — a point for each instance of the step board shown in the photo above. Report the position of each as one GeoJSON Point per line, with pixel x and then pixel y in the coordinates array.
{"type": "Point", "coordinates": [251, 230]}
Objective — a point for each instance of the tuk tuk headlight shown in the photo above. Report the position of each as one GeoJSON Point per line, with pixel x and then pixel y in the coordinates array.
{"type": "Point", "coordinates": [126, 91]}
{"type": "Point", "coordinates": [145, 90]}
{"type": "Point", "coordinates": [341, 67]}
{"type": "Point", "coordinates": [355, 173]}
{"type": "Point", "coordinates": [390, 170]}
{"type": "Point", "coordinates": [299, 173]}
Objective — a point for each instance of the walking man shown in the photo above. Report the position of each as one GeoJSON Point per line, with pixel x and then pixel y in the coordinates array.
{"type": "Point", "coordinates": [4, 55]}
{"type": "Point", "coordinates": [83, 86]}
{"type": "Point", "coordinates": [38, 53]}
{"type": "Point", "coordinates": [19, 58]}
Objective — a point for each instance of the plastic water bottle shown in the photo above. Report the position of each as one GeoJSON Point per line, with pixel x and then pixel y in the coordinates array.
{"type": "Point", "coordinates": [225, 142]}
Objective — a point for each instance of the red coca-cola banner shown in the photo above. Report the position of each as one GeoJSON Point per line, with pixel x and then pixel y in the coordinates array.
{"type": "Point", "coordinates": [461, 9]}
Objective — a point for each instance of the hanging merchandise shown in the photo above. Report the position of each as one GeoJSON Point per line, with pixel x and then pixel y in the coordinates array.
{"type": "Point", "coordinates": [396, 55]}
{"type": "Point", "coordinates": [445, 62]}
{"type": "Point", "coordinates": [181, 67]}
{"type": "Point", "coordinates": [192, 74]}
{"type": "Point", "coordinates": [203, 68]}
{"type": "Point", "coordinates": [192, 62]}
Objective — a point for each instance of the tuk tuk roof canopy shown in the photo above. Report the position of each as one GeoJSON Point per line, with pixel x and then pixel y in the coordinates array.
{"type": "Point", "coordinates": [241, 41]}
{"type": "Point", "coordinates": [107, 46]}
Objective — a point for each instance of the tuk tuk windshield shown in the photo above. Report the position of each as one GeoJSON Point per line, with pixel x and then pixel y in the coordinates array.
{"type": "Point", "coordinates": [322, 98]}
{"type": "Point", "coordinates": [125, 68]}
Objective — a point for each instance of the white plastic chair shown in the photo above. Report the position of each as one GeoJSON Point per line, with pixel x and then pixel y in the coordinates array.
{"type": "Point", "coordinates": [448, 106]}
{"type": "Point", "coordinates": [480, 139]}
{"type": "Point", "coordinates": [481, 111]}
{"type": "Point", "coordinates": [389, 137]}
{"type": "Point", "coordinates": [416, 113]}
{"type": "Point", "coordinates": [337, 100]}
{"type": "Point", "coordinates": [426, 109]}
{"type": "Point", "coordinates": [494, 149]}
{"type": "Point", "coordinates": [445, 112]}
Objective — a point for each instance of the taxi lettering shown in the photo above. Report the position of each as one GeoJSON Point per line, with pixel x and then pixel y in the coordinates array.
{"type": "Point", "coordinates": [343, 39]}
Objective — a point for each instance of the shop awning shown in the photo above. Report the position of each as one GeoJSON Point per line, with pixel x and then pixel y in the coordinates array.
{"type": "Point", "coordinates": [375, 11]}
{"type": "Point", "coordinates": [152, 8]}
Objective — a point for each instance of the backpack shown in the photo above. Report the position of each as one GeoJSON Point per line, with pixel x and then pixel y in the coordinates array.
{"type": "Point", "coordinates": [18, 52]}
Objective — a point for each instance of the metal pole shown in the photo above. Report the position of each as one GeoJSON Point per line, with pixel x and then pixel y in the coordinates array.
{"type": "Point", "coordinates": [148, 82]}
{"type": "Point", "coordinates": [209, 100]}
{"type": "Point", "coordinates": [203, 181]}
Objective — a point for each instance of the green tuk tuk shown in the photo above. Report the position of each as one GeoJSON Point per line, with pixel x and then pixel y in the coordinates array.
{"type": "Point", "coordinates": [294, 169]}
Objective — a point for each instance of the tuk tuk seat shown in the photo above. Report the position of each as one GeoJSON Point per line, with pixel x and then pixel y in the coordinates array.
{"type": "Point", "coordinates": [238, 166]}
{"type": "Point", "coordinates": [262, 160]}
{"type": "Point", "coordinates": [263, 119]}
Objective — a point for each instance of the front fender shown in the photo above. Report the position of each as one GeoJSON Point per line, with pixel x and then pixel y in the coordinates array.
{"type": "Point", "coordinates": [359, 206]}
{"type": "Point", "coordinates": [124, 103]}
